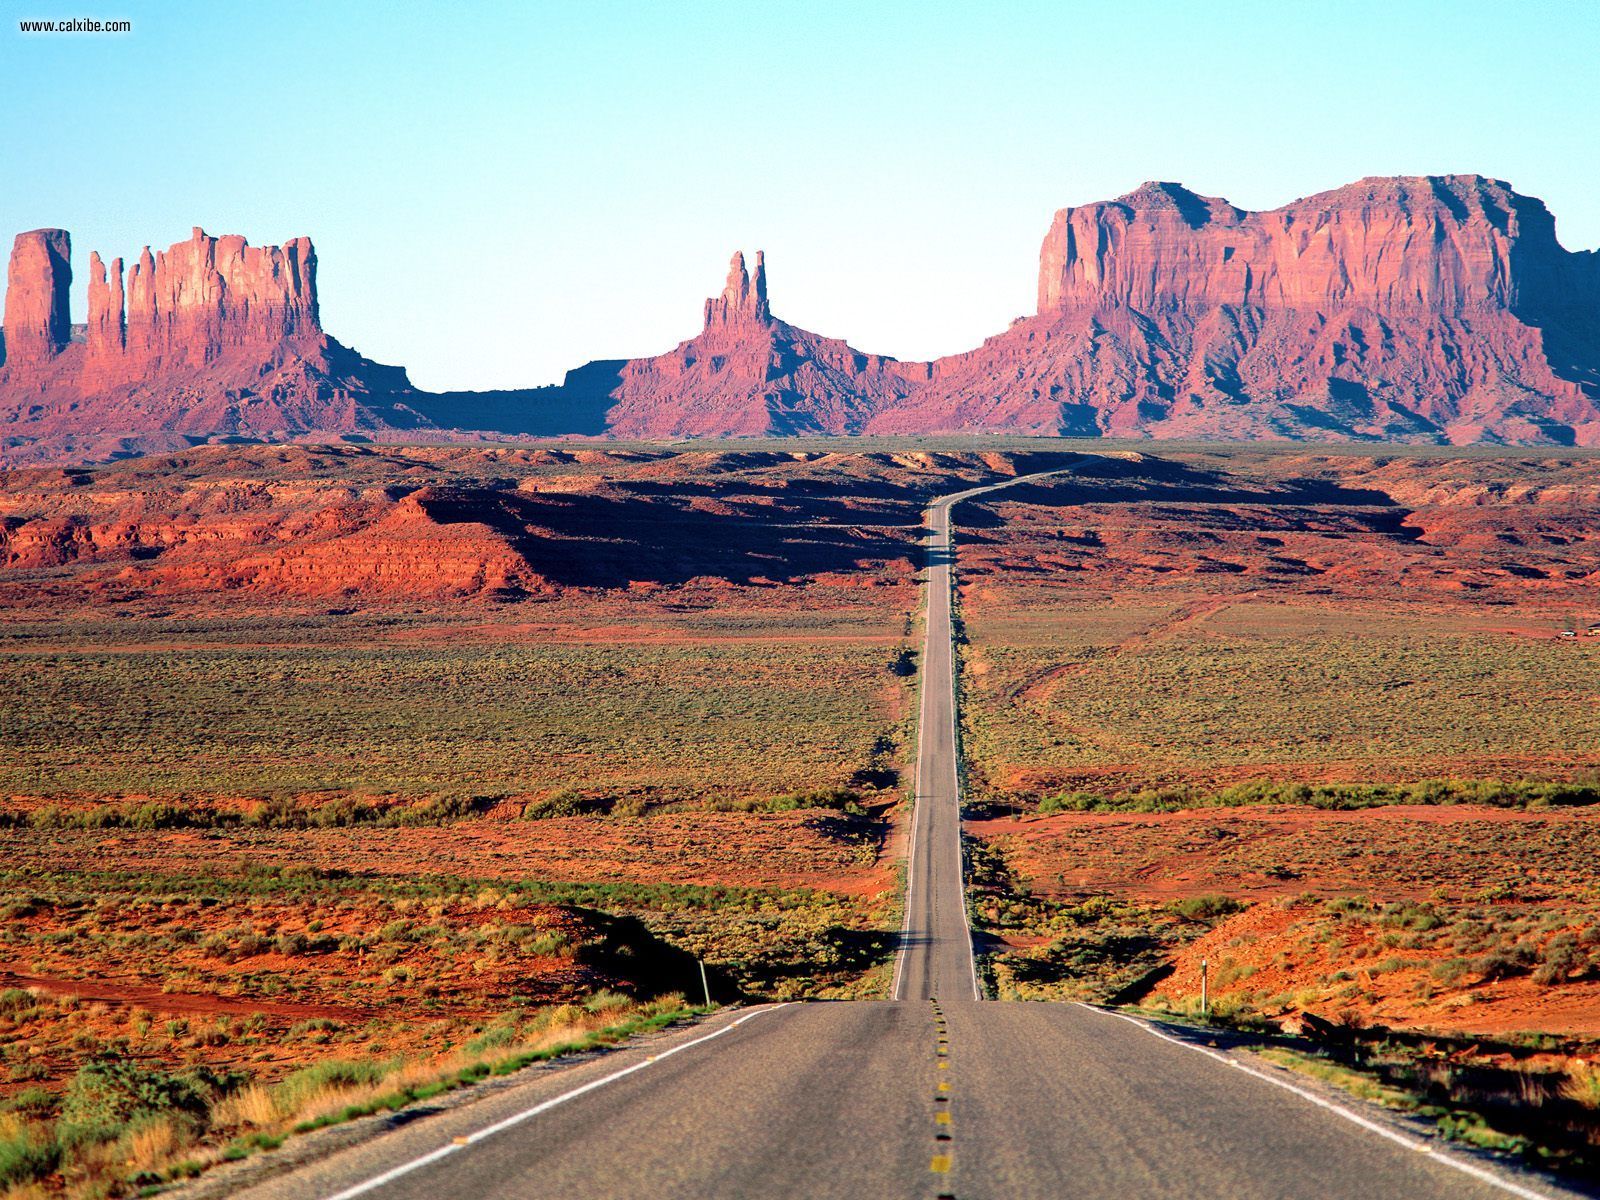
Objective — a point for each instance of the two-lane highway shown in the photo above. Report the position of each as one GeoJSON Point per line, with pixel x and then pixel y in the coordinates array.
{"type": "Point", "coordinates": [936, 956]}
{"type": "Point", "coordinates": [936, 1093]}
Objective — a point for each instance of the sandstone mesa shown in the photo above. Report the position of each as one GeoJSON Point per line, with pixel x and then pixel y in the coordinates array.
{"type": "Point", "coordinates": [1434, 309]}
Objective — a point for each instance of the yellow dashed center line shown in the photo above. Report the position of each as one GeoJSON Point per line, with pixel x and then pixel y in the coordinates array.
{"type": "Point", "coordinates": [942, 1158]}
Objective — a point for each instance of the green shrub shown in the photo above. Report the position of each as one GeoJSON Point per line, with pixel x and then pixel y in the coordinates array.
{"type": "Point", "coordinates": [290, 945]}
{"type": "Point", "coordinates": [26, 1155]}
{"type": "Point", "coordinates": [1560, 959]}
{"type": "Point", "coordinates": [565, 803]}
{"type": "Point", "coordinates": [1503, 962]}
{"type": "Point", "coordinates": [606, 1000]}
{"type": "Point", "coordinates": [15, 1000]}
{"type": "Point", "coordinates": [1418, 917]}
{"type": "Point", "coordinates": [108, 1094]}
{"type": "Point", "coordinates": [1205, 908]}
{"type": "Point", "coordinates": [440, 808]}
{"type": "Point", "coordinates": [1071, 802]}
{"type": "Point", "coordinates": [33, 1102]}
{"type": "Point", "coordinates": [501, 1033]}
{"type": "Point", "coordinates": [838, 799]}
{"type": "Point", "coordinates": [345, 811]}
{"type": "Point", "coordinates": [315, 1025]}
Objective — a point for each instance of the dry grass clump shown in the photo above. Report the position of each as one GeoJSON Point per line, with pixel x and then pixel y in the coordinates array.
{"type": "Point", "coordinates": [1582, 1083]}
{"type": "Point", "coordinates": [120, 1127]}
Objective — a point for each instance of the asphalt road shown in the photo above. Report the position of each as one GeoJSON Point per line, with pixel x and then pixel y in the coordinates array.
{"type": "Point", "coordinates": [933, 1094]}
{"type": "Point", "coordinates": [849, 1101]}
{"type": "Point", "coordinates": [935, 957]}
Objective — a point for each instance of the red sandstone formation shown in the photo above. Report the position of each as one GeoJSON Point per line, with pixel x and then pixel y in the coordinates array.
{"type": "Point", "coordinates": [37, 326]}
{"type": "Point", "coordinates": [1428, 309]}
{"type": "Point", "coordinates": [1424, 309]}
{"type": "Point", "coordinates": [196, 301]}
{"type": "Point", "coordinates": [210, 338]}
{"type": "Point", "coordinates": [749, 374]}
{"type": "Point", "coordinates": [1432, 309]}
{"type": "Point", "coordinates": [107, 332]}
{"type": "Point", "coordinates": [742, 300]}
{"type": "Point", "coordinates": [298, 522]}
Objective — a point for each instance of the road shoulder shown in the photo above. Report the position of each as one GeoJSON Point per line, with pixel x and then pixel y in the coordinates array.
{"type": "Point", "coordinates": [308, 1163]}
{"type": "Point", "coordinates": [1412, 1133]}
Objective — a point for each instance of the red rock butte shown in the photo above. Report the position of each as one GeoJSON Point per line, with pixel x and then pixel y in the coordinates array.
{"type": "Point", "coordinates": [210, 338]}
{"type": "Point", "coordinates": [1432, 309]}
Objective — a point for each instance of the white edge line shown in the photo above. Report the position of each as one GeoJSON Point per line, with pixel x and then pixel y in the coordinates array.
{"type": "Point", "coordinates": [916, 801]}
{"type": "Point", "coordinates": [406, 1168]}
{"type": "Point", "coordinates": [1437, 1153]}
{"type": "Point", "coordinates": [955, 739]}
{"type": "Point", "coordinates": [911, 885]}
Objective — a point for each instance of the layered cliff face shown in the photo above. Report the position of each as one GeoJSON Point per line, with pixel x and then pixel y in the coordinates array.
{"type": "Point", "coordinates": [749, 374]}
{"type": "Point", "coordinates": [199, 299]}
{"type": "Point", "coordinates": [210, 338]}
{"type": "Point", "coordinates": [1449, 244]}
{"type": "Point", "coordinates": [1430, 309]}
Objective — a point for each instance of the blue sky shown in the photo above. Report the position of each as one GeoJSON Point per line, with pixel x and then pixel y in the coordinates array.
{"type": "Point", "coordinates": [501, 191]}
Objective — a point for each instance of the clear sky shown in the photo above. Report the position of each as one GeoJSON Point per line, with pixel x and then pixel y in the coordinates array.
{"type": "Point", "coordinates": [498, 192]}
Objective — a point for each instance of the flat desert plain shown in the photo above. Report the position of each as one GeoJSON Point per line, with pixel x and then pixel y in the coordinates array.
{"type": "Point", "coordinates": [333, 776]}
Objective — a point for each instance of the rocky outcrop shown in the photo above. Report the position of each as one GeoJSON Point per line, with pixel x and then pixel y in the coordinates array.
{"type": "Point", "coordinates": [749, 374]}
{"type": "Point", "coordinates": [222, 524]}
{"type": "Point", "coordinates": [200, 301]}
{"type": "Point", "coordinates": [202, 298]}
{"type": "Point", "coordinates": [743, 301]}
{"type": "Point", "coordinates": [37, 325]}
{"type": "Point", "coordinates": [1443, 244]}
{"type": "Point", "coordinates": [107, 330]}
{"type": "Point", "coordinates": [211, 338]}
{"type": "Point", "coordinates": [1434, 309]}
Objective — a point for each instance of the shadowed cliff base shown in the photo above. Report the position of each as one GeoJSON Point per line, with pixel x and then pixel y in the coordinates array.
{"type": "Point", "coordinates": [578, 406]}
{"type": "Point", "coordinates": [495, 523]}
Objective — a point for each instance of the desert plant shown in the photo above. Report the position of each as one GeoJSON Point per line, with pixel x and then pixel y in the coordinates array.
{"type": "Point", "coordinates": [1503, 962]}
{"type": "Point", "coordinates": [1560, 959]}
{"type": "Point", "coordinates": [1205, 908]}
{"type": "Point", "coordinates": [107, 1095]}
{"type": "Point", "coordinates": [27, 1152]}
{"type": "Point", "coordinates": [1582, 1084]}
{"type": "Point", "coordinates": [254, 1106]}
